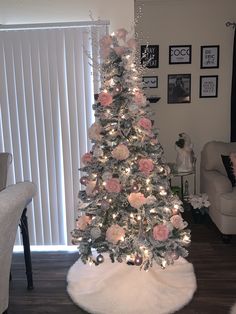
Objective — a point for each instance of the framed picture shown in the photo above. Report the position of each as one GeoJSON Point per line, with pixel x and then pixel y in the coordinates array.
{"type": "Point", "coordinates": [179, 88]}
{"type": "Point", "coordinates": [150, 81]}
{"type": "Point", "coordinates": [208, 86]}
{"type": "Point", "coordinates": [150, 56]}
{"type": "Point", "coordinates": [180, 54]}
{"type": "Point", "coordinates": [210, 57]}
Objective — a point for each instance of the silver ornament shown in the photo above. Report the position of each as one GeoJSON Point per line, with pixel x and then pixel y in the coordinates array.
{"type": "Point", "coordinates": [98, 152]}
{"type": "Point", "coordinates": [106, 176]}
{"type": "Point", "coordinates": [95, 232]}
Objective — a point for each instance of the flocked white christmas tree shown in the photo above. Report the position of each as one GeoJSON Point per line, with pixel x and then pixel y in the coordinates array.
{"type": "Point", "coordinates": [127, 208]}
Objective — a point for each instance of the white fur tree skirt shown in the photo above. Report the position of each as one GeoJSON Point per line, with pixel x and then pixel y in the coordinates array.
{"type": "Point", "coordinates": [116, 288]}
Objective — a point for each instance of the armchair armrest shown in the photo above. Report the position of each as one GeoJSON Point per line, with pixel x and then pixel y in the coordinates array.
{"type": "Point", "coordinates": [215, 181]}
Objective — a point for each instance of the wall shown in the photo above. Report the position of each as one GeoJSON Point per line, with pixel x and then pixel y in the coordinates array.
{"type": "Point", "coordinates": [202, 22]}
{"type": "Point", "coordinates": [120, 13]}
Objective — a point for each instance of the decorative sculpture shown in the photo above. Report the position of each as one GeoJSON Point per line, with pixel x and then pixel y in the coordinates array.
{"type": "Point", "coordinates": [185, 156]}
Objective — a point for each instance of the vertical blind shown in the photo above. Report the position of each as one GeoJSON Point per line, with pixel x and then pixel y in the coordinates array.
{"type": "Point", "coordinates": [46, 96]}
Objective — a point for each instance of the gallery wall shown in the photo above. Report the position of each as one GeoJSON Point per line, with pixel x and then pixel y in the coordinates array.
{"type": "Point", "coordinates": [196, 23]}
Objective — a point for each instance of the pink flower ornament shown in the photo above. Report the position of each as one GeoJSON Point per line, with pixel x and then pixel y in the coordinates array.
{"type": "Point", "coordinates": [105, 99]}
{"type": "Point", "coordinates": [119, 50]}
{"type": "Point", "coordinates": [115, 233]}
{"type": "Point", "coordinates": [121, 152]}
{"type": "Point", "coordinates": [105, 41]}
{"type": "Point", "coordinates": [105, 51]}
{"type": "Point", "coordinates": [90, 188]}
{"type": "Point", "coordinates": [139, 98]}
{"type": "Point", "coordinates": [82, 222]}
{"type": "Point", "coordinates": [131, 43]}
{"type": "Point", "coordinates": [87, 159]}
{"type": "Point", "coordinates": [113, 185]}
{"type": "Point", "coordinates": [94, 132]}
{"type": "Point", "coordinates": [146, 165]}
{"type": "Point", "coordinates": [177, 222]}
{"type": "Point", "coordinates": [137, 200]}
{"type": "Point", "coordinates": [145, 123]}
{"type": "Point", "coordinates": [160, 232]}
{"type": "Point", "coordinates": [121, 33]}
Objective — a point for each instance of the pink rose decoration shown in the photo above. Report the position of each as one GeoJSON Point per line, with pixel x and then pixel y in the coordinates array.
{"type": "Point", "coordinates": [119, 50]}
{"type": "Point", "coordinates": [121, 152]}
{"type": "Point", "coordinates": [139, 98]}
{"type": "Point", "coordinates": [115, 233]}
{"type": "Point", "coordinates": [137, 200]}
{"type": "Point", "coordinates": [106, 41]}
{"type": "Point", "coordinates": [121, 33]}
{"type": "Point", "coordinates": [105, 99]}
{"type": "Point", "coordinates": [82, 222]}
{"type": "Point", "coordinates": [90, 188]}
{"type": "Point", "coordinates": [145, 123]}
{"type": "Point", "coordinates": [94, 132]}
{"type": "Point", "coordinates": [154, 141]}
{"type": "Point", "coordinates": [87, 158]}
{"type": "Point", "coordinates": [105, 51]}
{"type": "Point", "coordinates": [145, 165]}
{"type": "Point", "coordinates": [113, 185]}
{"type": "Point", "coordinates": [131, 43]}
{"type": "Point", "coordinates": [160, 232]}
{"type": "Point", "coordinates": [177, 222]}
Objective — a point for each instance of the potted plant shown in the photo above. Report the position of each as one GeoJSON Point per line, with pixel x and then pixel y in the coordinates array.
{"type": "Point", "coordinates": [199, 206]}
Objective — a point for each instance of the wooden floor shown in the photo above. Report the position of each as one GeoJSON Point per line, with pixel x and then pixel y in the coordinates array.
{"type": "Point", "coordinates": [214, 263]}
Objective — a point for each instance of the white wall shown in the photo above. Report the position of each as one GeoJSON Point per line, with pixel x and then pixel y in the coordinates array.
{"type": "Point", "coordinates": [120, 13]}
{"type": "Point", "coordinates": [202, 22]}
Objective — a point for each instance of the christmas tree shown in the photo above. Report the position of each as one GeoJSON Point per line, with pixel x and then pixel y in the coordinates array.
{"type": "Point", "coordinates": [127, 208]}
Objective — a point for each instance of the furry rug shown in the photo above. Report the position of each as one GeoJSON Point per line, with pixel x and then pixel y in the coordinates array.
{"type": "Point", "coordinates": [121, 289]}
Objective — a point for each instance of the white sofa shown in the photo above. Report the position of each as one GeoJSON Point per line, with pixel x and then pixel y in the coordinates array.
{"type": "Point", "coordinates": [214, 181]}
{"type": "Point", "coordinates": [13, 200]}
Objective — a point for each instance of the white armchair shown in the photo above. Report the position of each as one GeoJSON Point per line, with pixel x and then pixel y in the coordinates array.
{"type": "Point", "coordinates": [13, 200]}
{"type": "Point", "coordinates": [215, 182]}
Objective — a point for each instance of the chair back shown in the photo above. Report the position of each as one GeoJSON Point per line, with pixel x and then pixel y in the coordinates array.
{"type": "Point", "coordinates": [5, 161]}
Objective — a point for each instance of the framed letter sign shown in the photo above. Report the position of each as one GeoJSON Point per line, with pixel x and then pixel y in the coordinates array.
{"type": "Point", "coordinates": [180, 54]}
{"type": "Point", "coordinates": [208, 86]}
{"type": "Point", "coordinates": [150, 56]}
{"type": "Point", "coordinates": [210, 57]}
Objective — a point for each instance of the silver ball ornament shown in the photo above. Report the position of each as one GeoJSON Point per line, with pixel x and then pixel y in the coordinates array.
{"type": "Point", "coordinates": [95, 233]}
{"type": "Point", "coordinates": [138, 260]}
{"type": "Point", "coordinates": [100, 259]}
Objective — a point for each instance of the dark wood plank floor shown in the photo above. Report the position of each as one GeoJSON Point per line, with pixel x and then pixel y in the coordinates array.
{"type": "Point", "coordinates": [214, 263]}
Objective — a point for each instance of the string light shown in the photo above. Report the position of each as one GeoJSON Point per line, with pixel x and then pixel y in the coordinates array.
{"type": "Point", "coordinates": [163, 192]}
{"type": "Point", "coordinates": [186, 239]}
{"type": "Point", "coordinates": [163, 264]}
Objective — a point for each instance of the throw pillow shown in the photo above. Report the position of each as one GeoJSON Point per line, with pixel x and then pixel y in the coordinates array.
{"type": "Point", "coordinates": [230, 167]}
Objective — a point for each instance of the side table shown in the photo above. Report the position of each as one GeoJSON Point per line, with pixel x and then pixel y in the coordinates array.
{"type": "Point", "coordinates": [181, 175]}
